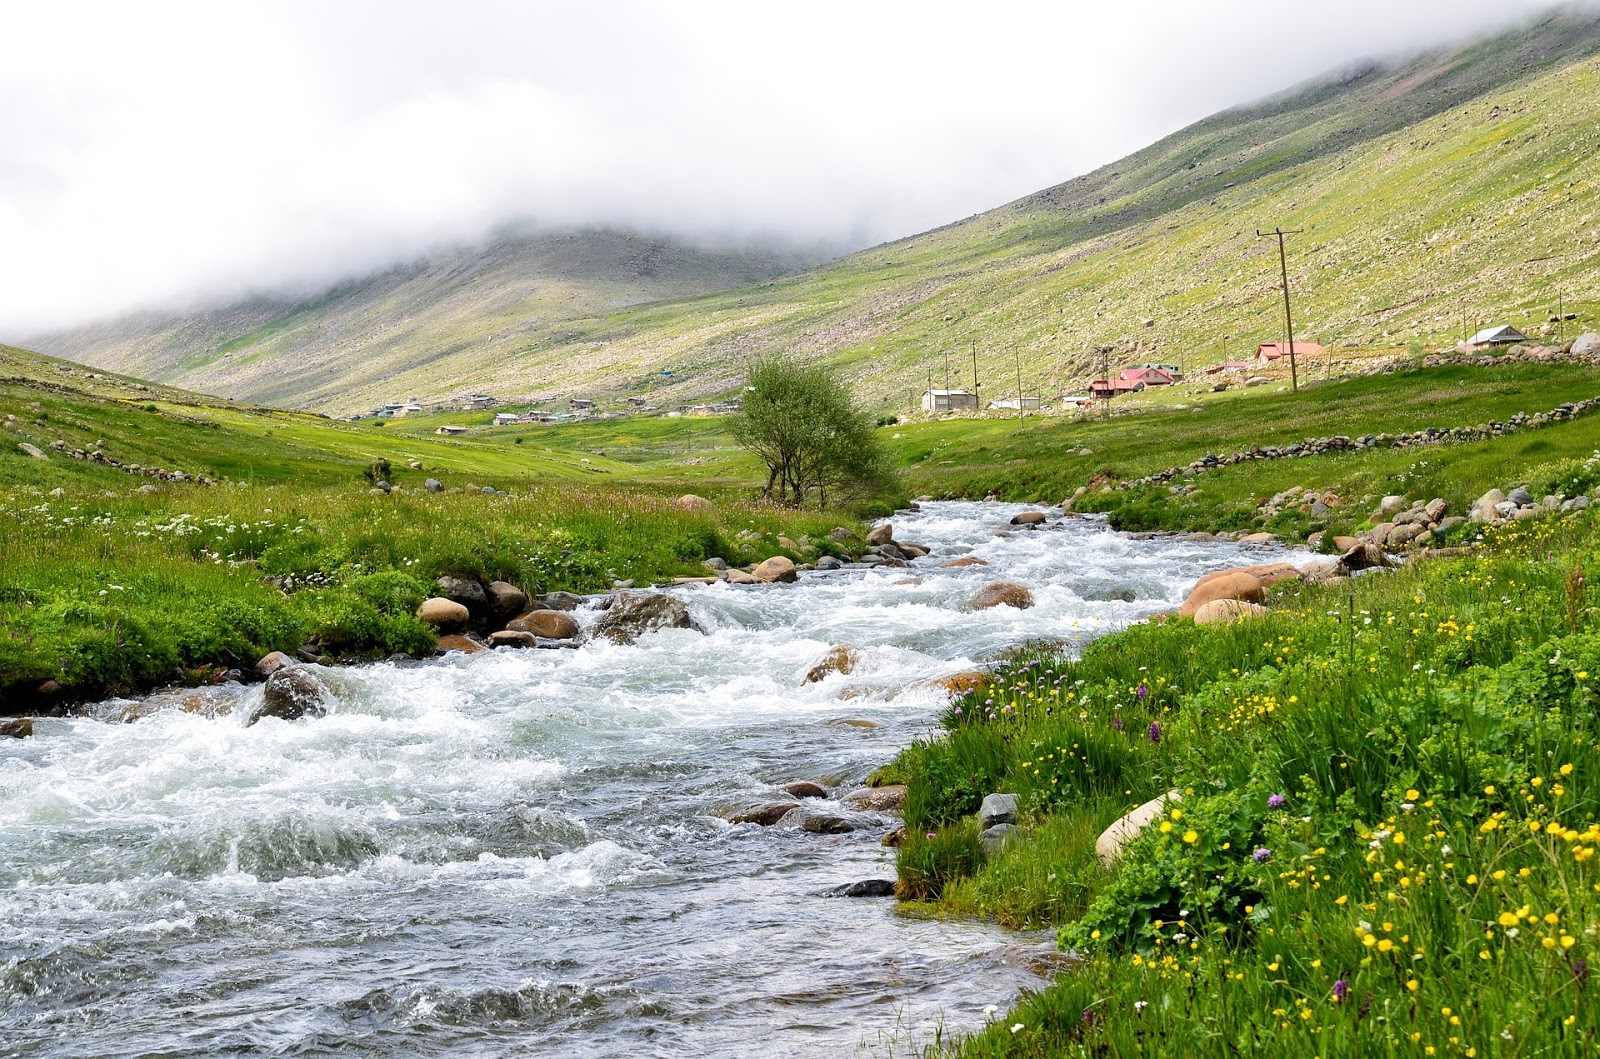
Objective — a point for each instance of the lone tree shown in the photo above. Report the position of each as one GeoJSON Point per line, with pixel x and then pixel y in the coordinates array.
{"type": "Point", "coordinates": [816, 444]}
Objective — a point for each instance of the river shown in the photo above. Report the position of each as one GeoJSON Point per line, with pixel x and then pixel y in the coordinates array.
{"type": "Point", "coordinates": [523, 852]}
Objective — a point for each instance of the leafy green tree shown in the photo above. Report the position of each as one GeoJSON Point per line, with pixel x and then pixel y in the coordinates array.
{"type": "Point", "coordinates": [800, 421]}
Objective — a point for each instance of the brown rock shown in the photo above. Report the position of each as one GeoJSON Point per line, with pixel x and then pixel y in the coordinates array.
{"type": "Point", "coordinates": [550, 624]}
{"type": "Point", "coordinates": [894, 838]}
{"type": "Point", "coordinates": [1219, 611]}
{"type": "Point", "coordinates": [777, 569]}
{"type": "Point", "coordinates": [1344, 543]}
{"type": "Point", "coordinates": [840, 660]}
{"type": "Point", "coordinates": [1028, 518]}
{"type": "Point", "coordinates": [883, 534]}
{"type": "Point", "coordinates": [961, 683]}
{"type": "Point", "coordinates": [1234, 584]}
{"type": "Point", "coordinates": [292, 693]}
{"type": "Point", "coordinates": [966, 560]}
{"type": "Point", "coordinates": [443, 613]}
{"type": "Point", "coordinates": [1002, 593]}
{"type": "Point", "coordinates": [506, 599]}
{"type": "Point", "coordinates": [273, 662]}
{"type": "Point", "coordinates": [888, 798]}
{"type": "Point", "coordinates": [1361, 557]}
{"type": "Point", "coordinates": [513, 638]}
{"type": "Point", "coordinates": [1109, 845]}
{"type": "Point", "coordinates": [1258, 538]}
{"type": "Point", "coordinates": [912, 551]}
{"type": "Point", "coordinates": [765, 815]}
{"type": "Point", "coordinates": [465, 644]}
{"type": "Point", "coordinates": [16, 727]}
{"type": "Point", "coordinates": [805, 789]}
{"type": "Point", "coordinates": [690, 502]}
{"type": "Point", "coordinates": [736, 576]}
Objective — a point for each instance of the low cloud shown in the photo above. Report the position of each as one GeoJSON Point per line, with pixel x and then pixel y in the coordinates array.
{"type": "Point", "coordinates": [157, 155]}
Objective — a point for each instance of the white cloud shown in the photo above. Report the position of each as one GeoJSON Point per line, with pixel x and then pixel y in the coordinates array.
{"type": "Point", "coordinates": [159, 152]}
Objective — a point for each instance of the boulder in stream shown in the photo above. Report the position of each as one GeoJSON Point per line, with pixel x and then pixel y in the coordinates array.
{"type": "Point", "coordinates": [290, 694]}
{"type": "Point", "coordinates": [633, 614]}
{"type": "Point", "coordinates": [1002, 593]}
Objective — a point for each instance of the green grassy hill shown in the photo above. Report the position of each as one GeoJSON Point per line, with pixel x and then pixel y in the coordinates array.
{"type": "Point", "coordinates": [1446, 191]}
{"type": "Point", "coordinates": [341, 347]}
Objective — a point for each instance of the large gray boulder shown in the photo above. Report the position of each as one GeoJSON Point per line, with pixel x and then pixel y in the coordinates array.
{"type": "Point", "coordinates": [1587, 344]}
{"type": "Point", "coordinates": [633, 614]}
{"type": "Point", "coordinates": [290, 694]}
{"type": "Point", "coordinates": [32, 450]}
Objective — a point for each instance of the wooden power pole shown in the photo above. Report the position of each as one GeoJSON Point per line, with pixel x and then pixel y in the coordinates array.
{"type": "Point", "coordinates": [1018, 354]}
{"type": "Point", "coordinates": [1288, 316]}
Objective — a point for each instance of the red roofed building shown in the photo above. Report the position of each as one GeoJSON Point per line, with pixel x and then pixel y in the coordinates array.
{"type": "Point", "coordinates": [1268, 352]}
{"type": "Point", "coordinates": [1132, 380]}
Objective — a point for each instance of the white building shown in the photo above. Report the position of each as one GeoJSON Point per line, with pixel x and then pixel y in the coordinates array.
{"type": "Point", "coordinates": [949, 401]}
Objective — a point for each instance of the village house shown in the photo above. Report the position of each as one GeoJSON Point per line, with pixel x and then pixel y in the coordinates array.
{"type": "Point", "coordinates": [1133, 380]}
{"type": "Point", "coordinates": [478, 402]}
{"type": "Point", "coordinates": [949, 401]}
{"type": "Point", "coordinates": [1496, 336]}
{"type": "Point", "coordinates": [1027, 404]}
{"type": "Point", "coordinates": [1268, 353]}
{"type": "Point", "coordinates": [451, 431]}
{"type": "Point", "coordinates": [502, 419]}
{"type": "Point", "coordinates": [579, 404]}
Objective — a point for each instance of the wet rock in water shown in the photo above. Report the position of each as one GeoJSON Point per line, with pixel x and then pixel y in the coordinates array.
{"type": "Point", "coordinates": [1028, 518]}
{"type": "Point", "coordinates": [890, 797]}
{"type": "Point", "coordinates": [994, 839]}
{"type": "Point", "coordinates": [997, 809]}
{"type": "Point", "coordinates": [513, 638]}
{"type": "Point", "coordinates": [1002, 593]}
{"type": "Point", "coordinates": [961, 683]}
{"type": "Point", "coordinates": [825, 823]}
{"type": "Point", "coordinates": [443, 613]}
{"type": "Point", "coordinates": [883, 534]}
{"type": "Point", "coordinates": [558, 601]}
{"type": "Point", "coordinates": [201, 702]}
{"type": "Point", "coordinates": [738, 577]}
{"type": "Point", "coordinates": [633, 614]}
{"type": "Point", "coordinates": [308, 652]}
{"type": "Point", "coordinates": [805, 789]}
{"type": "Point", "coordinates": [777, 569]}
{"type": "Point", "coordinates": [764, 815]}
{"type": "Point", "coordinates": [465, 644]}
{"type": "Point", "coordinates": [912, 551]}
{"type": "Point", "coordinates": [469, 594]}
{"type": "Point", "coordinates": [548, 624]}
{"type": "Point", "coordinates": [1258, 538]}
{"type": "Point", "coordinates": [964, 561]}
{"type": "Point", "coordinates": [830, 562]}
{"type": "Point", "coordinates": [505, 599]}
{"type": "Point", "coordinates": [864, 888]}
{"type": "Point", "coordinates": [1220, 611]}
{"type": "Point", "coordinates": [290, 694]}
{"type": "Point", "coordinates": [16, 727]}
{"type": "Point", "coordinates": [840, 660]}
{"type": "Point", "coordinates": [893, 839]}
{"type": "Point", "coordinates": [1109, 845]}
{"type": "Point", "coordinates": [273, 662]}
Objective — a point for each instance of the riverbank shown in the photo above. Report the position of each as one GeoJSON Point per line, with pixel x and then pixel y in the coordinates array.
{"type": "Point", "coordinates": [110, 594]}
{"type": "Point", "coordinates": [1379, 825]}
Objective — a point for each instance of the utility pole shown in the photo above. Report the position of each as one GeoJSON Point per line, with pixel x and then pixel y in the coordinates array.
{"type": "Point", "coordinates": [1288, 316]}
{"type": "Point", "coordinates": [974, 367]}
{"type": "Point", "coordinates": [1018, 353]}
{"type": "Point", "coordinates": [947, 370]}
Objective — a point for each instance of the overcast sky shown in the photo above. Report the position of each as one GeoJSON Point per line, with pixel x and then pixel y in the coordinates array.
{"type": "Point", "coordinates": [156, 154]}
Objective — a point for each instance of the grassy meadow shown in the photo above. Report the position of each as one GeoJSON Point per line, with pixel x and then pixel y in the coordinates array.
{"type": "Point", "coordinates": [1384, 838]}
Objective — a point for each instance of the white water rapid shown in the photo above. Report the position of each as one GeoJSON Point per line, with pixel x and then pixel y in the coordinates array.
{"type": "Point", "coordinates": [523, 852]}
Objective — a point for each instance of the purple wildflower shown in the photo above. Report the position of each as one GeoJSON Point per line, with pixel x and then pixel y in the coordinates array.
{"type": "Point", "coordinates": [1341, 989]}
{"type": "Point", "coordinates": [1089, 1016]}
{"type": "Point", "coordinates": [1262, 854]}
{"type": "Point", "coordinates": [1116, 722]}
{"type": "Point", "coordinates": [1143, 691]}
{"type": "Point", "coordinates": [958, 711]}
{"type": "Point", "coordinates": [1580, 969]}
{"type": "Point", "coordinates": [1276, 801]}
{"type": "Point", "coordinates": [1155, 731]}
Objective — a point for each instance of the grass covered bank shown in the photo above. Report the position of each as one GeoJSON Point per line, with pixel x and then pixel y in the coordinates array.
{"type": "Point", "coordinates": [1386, 837]}
{"type": "Point", "coordinates": [105, 593]}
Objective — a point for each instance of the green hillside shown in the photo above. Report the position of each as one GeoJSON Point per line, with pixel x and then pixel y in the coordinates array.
{"type": "Point", "coordinates": [455, 305]}
{"type": "Point", "coordinates": [1442, 192]}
